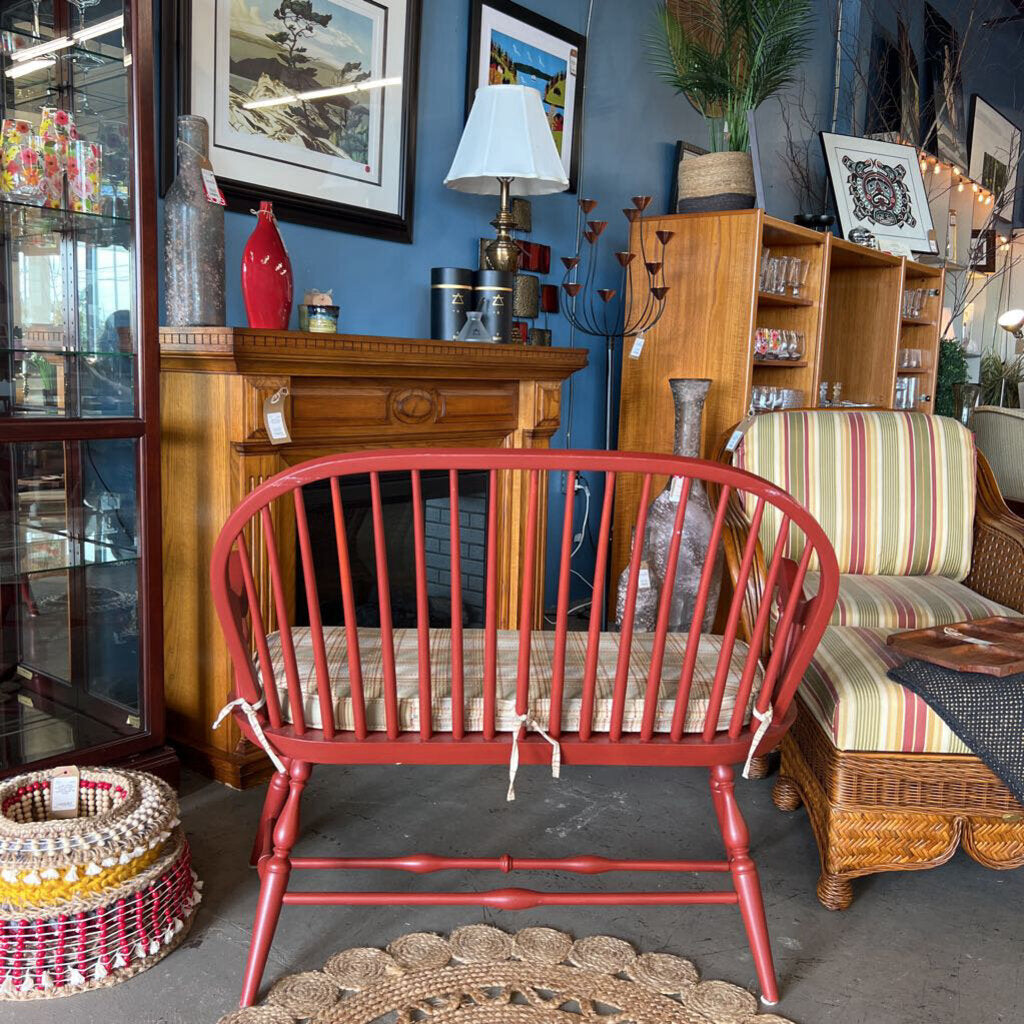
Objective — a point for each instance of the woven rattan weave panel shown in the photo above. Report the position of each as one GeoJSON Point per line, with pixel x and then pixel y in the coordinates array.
{"type": "Point", "coordinates": [894, 812]}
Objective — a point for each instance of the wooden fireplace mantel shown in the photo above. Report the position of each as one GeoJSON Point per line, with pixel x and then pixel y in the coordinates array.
{"type": "Point", "coordinates": [344, 392]}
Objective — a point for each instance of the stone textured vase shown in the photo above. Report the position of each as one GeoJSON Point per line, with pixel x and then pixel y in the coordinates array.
{"type": "Point", "coordinates": [267, 274]}
{"type": "Point", "coordinates": [193, 236]}
{"type": "Point", "coordinates": [688, 396]}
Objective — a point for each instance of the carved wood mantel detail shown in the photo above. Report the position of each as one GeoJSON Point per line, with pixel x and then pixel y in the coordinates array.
{"type": "Point", "coordinates": [345, 392]}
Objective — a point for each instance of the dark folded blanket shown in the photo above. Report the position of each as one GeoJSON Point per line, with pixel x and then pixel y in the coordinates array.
{"type": "Point", "coordinates": [986, 712]}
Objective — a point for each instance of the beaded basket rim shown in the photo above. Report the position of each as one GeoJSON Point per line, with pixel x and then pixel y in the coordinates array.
{"type": "Point", "coordinates": [74, 840]}
{"type": "Point", "coordinates": [131, 800]}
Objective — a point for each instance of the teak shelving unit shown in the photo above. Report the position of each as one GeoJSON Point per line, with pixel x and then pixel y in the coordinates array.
{"type": "Point", "coordinates": [850, 315]}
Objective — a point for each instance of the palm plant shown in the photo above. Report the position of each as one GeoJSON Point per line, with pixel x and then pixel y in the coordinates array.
{"type": "Point", "coordinates": [728, 56]}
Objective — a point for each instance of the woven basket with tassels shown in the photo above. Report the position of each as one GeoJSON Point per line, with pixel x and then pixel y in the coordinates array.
{"type": "Point", "coordinates": [716, 181]}
{"type": "Point", "coordinates": [89, 901]}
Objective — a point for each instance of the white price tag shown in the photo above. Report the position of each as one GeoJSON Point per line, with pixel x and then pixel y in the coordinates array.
{"type": "Point", "coordinates": [274, 419]}
{"type": "Point", "coordinates": [211, 189]}
{"type": "Point", "coordinates": [638, 347]}
{"type": "Point", "coordinates": [677, 488]}
{"type": "Point", "coordinates": [277, 429]}
{"type": "Point", "coordinates": [737, 435]}
{"type": "Point", "coordinates": [64, 793]}
{"type": "Point", "coordinates": [644, 578]}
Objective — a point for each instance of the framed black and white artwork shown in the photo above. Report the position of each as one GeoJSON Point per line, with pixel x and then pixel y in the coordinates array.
{"type": "Point", "coordinates": [947, 131]}
{"type": "Point", "coordinates": [311, 104]}
{"type": "Point", "coordinates": [879, 189]}
{"type": "Point", "coordinates": [994, 154]}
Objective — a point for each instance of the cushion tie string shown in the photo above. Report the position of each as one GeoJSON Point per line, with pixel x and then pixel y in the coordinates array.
{"type": "Point", "coordinates": [249, 710]}
{"type": "Point", "coordinates": [513, 762]}
{"type": "Point", "coordinates": [765, 718]}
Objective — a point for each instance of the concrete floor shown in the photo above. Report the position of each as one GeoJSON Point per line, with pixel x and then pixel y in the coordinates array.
{"type": "Point", "coordinates": [934, 947]}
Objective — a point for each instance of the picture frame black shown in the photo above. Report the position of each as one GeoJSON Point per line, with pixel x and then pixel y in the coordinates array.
{"type": "Point", "coordinates": [682, 151]}
{"type": "Point", "coordinates": [175, 98]}
{"type": "Point", "coordinates": [994, 154]}
{"type": "Point", "coordinates": [982, 257]}
{"type": "Point", "coordinates": [541, 24]}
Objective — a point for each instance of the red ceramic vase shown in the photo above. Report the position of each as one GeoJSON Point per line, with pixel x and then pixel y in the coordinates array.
{"type": "Point", "coordinates": [267, 274]}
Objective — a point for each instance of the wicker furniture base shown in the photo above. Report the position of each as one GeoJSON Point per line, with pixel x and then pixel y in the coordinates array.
{"type": "Point", "coordinates": [483, 975]}
{"type": "Point", "coordinates": [874, 812]}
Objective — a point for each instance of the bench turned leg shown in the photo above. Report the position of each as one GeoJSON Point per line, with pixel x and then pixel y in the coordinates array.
{"type": "Point", "coordinates": [277, 793]}
{"type": "Point", "coordinates": [274, 874]}
{"type": "Point", "coordinates": [745, 879]}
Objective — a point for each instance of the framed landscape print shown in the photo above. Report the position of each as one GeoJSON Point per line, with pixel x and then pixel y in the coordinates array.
{"type": "Point", "coordinates": [311, 104]}
{"type": "Point", "coordinates": [995, 153]}
{"type": "Point", "coordinates": [879, 190]}
{"type": "Point", "coordinates": [510, 45]}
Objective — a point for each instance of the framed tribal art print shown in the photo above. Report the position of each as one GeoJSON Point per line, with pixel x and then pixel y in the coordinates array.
{"type": "Point", "coordinates": [879, 193]}
{"type": "Point", "coordinates": [310, 104]}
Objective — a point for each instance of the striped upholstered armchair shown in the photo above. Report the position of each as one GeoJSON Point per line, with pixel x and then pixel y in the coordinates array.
{"type": "Point", "coordinates": [923, 538]}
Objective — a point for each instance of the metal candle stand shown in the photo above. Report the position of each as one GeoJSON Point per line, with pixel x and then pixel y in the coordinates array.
{"type": "Point", "coordinates": [598, 314]}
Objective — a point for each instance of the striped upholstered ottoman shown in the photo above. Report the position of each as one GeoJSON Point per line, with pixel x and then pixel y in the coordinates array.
{"type": "Point", "coordinates": [923, 538]}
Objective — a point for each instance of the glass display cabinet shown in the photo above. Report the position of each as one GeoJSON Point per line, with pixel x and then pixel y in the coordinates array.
{"type": "Point", "coordinates": [80, 624]}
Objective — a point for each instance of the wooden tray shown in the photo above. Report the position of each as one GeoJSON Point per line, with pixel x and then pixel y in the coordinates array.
{"type": "Point", "coordinates": [1005, 656]}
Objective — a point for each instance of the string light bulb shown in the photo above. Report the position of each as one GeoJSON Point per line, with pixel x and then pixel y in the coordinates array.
{"type": "Point", "coordinates": [936, 168]}
{"type": "Point", "coordinates": [924, 166]}
{"type": "Point", "coordinates": [960, 187]}
{"type": "Point", "coordinates": [974, 186]}
{"type": "Point", "coordinates": [956, 170]}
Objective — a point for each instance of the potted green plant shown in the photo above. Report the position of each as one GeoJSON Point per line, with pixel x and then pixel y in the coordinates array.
{"type": "Point", "coordinates": [727, 57]}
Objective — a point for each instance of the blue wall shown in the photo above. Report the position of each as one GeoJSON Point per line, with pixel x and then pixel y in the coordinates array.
{"type": "Point", "coordinates": [631, 123]}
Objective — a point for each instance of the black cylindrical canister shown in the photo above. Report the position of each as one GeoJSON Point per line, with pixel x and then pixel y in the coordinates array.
{"type": "Point", "coordinates": [492, 295]}
{"type": "Point", "coordinates": [451, 294]}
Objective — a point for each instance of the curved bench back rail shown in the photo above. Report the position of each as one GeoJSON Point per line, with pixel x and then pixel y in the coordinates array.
{"type": "Point", "coordinates": [254, 591]}
{"type": "Point", "coordinates": [337, 692]}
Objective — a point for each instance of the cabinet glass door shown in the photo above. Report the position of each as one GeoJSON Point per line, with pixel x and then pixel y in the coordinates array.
{"type": "Point", "coordinates": [70, 674]}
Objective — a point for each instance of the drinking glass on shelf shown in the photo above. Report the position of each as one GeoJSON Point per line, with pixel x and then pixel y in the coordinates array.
{"type": "Point", "coordinates": [823, 395]}
{"type": "Point", "coordinates": [917, 303]}
{"type": "Point", "coordinates": [796, 277]}
{"type": "Point", "coordinates": [837, 393]}
{"type": "Point", "coordinates": [762, 283]}
{"type": "Point", "coordinates": [760, 342]}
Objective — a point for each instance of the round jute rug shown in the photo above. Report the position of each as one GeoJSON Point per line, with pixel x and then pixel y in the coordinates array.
{"type": "Point", "coordinates": [482, 975]}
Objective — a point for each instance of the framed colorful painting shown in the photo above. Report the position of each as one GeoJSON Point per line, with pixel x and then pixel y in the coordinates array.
{"type": "Point", "coordinates": [510, 45]}
{"type": "Point", "coordinates": [311, 104]}
{"type": "Point", "coordinates": [879, 191]}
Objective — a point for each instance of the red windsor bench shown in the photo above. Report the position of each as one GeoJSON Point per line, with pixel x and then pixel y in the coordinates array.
{"type": "Point", "coordinates": [348, 694]}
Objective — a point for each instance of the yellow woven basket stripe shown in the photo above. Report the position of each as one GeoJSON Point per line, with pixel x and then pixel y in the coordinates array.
{"type": "Point", "coordinates": [55, 890]}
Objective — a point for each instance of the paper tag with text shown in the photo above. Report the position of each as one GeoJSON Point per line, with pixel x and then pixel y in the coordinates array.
{"type": "Point", "coordinates": [638, 347]}
{"type": "Point", "coordinates": [737, 435]}
{"type": "Point", "coordinates": [64, 792]}
{"type": "Point", "coordinates": [211, 189]}
{"type": "Point", "coordinates": [644, 578]}
{"type": "Point", "coordinates": [677, 488]}
{"type": "Point", "coordinates": [274, 419]}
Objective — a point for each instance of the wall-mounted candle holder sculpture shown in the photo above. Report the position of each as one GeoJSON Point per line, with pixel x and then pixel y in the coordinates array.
{"type": "Point", "coordinates": [628, 311]}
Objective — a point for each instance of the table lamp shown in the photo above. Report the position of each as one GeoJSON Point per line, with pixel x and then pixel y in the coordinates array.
{"type": "Point", "coordinates": [1012, 321]}
{"type": "Point", "coordinates": [506, 148]}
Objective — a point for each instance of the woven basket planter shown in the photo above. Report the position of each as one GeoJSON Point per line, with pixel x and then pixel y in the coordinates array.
{"type": "Point", "coordinates": [87, 902]}
{"type": "Point", "coordinates": [716, 181]}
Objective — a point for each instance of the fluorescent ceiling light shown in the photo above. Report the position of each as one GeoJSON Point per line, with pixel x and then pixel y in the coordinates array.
{"type": "Point", "coordinates": [320, 94]}
{"type": "Point", "coordinates": [99, 29]}
{"type": "Point", "coordinates": [31, 52]}
{"type": "Point", "coordinates": [20, 70]}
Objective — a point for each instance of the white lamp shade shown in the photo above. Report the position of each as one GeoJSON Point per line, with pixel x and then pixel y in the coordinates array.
{"type": "Point", "coordinates": [507, 136]}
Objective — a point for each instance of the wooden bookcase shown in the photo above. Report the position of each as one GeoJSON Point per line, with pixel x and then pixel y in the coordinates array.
{"type": "Point", "coordinates": [850, 314]}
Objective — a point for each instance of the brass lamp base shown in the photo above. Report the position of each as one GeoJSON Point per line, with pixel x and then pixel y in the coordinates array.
{"type": "Point", "coordinates": [502, 252]}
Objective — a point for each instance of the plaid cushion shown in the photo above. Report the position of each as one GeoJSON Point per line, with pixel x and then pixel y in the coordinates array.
{"type": "Point", "coordinates": [847, 691]}
{"type": "Point", "coordinates": [541, 655]}
{"type": "Point", "coordinates": [894, 491]}
{"type": "Point", "coordinates": [905, 602]}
